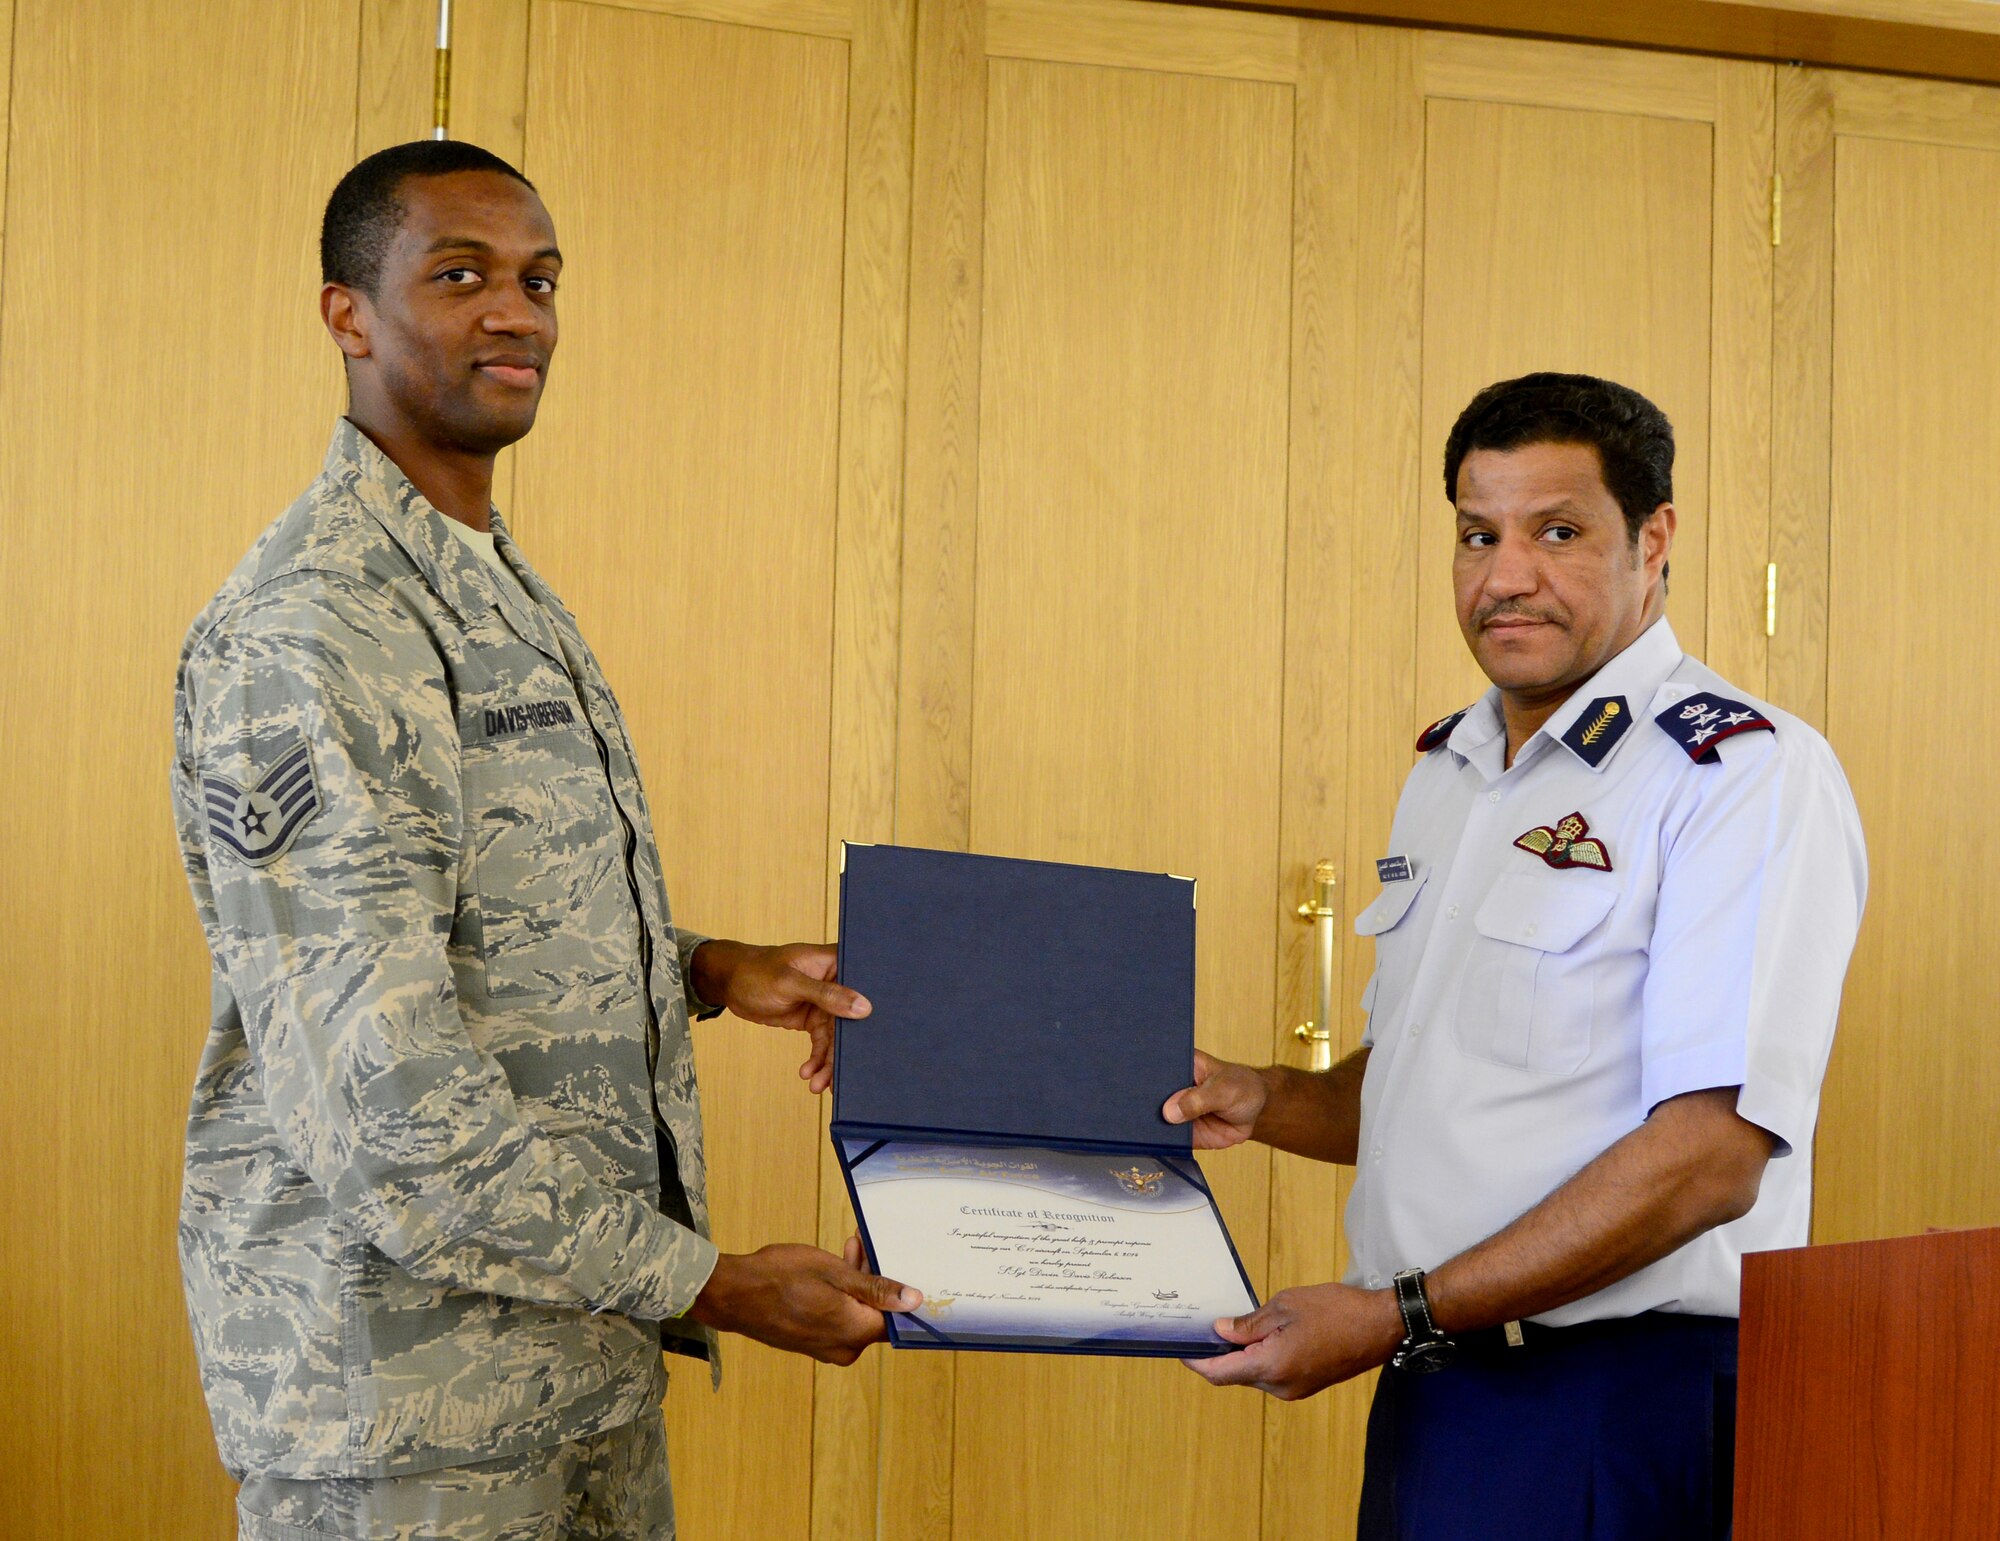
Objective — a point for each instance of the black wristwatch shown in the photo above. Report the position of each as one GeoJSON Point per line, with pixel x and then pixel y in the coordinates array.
{"type": "Point", "coordinates": [1424, 1348]}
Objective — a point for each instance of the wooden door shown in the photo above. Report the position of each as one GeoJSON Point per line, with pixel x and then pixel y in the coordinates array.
{"type": "Point", "coordinates": [1888, 456]}
{"type": "Point", "coordinates": [709, 489]}
{"type": "Point", "coordinates": [1595, 211]}
{"type": "Point", "coordinates": [694, 172]}
{"type": "Point", "coordinates": [1110, 280]}
{"type": "Point", "coordinates": [1126, 651]}
{"type": "Point", "coordinates": [1524, 206]}
{"type": "Point", "coordinates": [168, 392]}
{"type": "Point", "coordinates": [1521, 206]}
{"type": "Point", "coordinates": [1125, 435]}
{"type": "Point", "coordinates": [733, 181]}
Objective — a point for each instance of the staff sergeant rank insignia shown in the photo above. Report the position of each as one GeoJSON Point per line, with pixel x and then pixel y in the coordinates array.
{"type": "Point", "coordinates": [1564, 846]}
{"type": "Point", "coordinates": [1701, 722]}
{"type": "Point", "coordinates": [258, 824]}
{"type": "Point", "coordinates": [1597, 729]}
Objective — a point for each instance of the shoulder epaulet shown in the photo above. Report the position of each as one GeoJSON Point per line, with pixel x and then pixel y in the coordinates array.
{"type": "Point", "coordinates": [1439, 731]}
{"type": "Point", "coordinates": [1704, 720]}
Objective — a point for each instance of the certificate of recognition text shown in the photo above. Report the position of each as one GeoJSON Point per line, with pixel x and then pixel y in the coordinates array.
{"type": "Point", "coordinates": [1028, 1246]}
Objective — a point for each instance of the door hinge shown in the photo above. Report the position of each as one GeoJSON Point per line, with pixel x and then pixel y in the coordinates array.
{"type": "Point", "coordinates": [1777, 209]}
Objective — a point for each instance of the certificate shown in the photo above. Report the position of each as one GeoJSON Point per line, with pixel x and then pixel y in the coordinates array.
{"type": "Point", "coordinates": [997, 1115]}
{"type": "Point", "coordinates": [1030, 1247]}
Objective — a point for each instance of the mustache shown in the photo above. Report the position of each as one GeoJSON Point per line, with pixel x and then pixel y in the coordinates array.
{"type": "Point", "coordinates": [1511, 610]}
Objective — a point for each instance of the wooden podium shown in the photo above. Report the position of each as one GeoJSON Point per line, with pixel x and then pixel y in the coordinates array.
{"type": "Point", "coordinates": [1869, 1391]}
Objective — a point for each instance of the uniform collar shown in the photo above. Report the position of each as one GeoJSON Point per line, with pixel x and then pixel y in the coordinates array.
{"type": "Point", "coordinates": [1480, 726]}
{"type": "Point", "coordinates": [549, 611]}
{"type": "Point", "coordinates": [1629, 681]}
{"type": "Point", "coordinates": [457, 574]}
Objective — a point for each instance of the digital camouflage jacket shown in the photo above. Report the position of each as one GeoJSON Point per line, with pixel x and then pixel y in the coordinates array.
{"type": "Point", "coordinates": [444, 1181]}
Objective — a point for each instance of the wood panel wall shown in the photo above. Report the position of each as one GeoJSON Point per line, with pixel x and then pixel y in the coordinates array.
{"type": "Point", "coordinates": [1885, 369]}
{"type": "Point", "coordinates": [165, 390]}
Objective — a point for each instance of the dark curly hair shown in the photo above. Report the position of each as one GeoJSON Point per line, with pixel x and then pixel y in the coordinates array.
{"type": "Point", "coordinates": [364, 213]}
{"type": "Point", "coordinates": [1632, 437]}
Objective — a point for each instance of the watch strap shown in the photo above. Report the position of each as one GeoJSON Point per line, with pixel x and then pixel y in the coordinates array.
{"type": "Point", "coordinates": [1424, 1348]}
{"type": "Point", "coordinates": [1418, 1324]}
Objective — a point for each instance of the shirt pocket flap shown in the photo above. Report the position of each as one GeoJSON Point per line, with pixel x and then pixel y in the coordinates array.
{"type": "Point", "coordinates": [1390, 906]}
{"type": "Point", "coordinates": [1544, 911]}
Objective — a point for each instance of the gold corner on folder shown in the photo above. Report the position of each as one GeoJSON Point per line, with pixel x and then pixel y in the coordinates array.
{"type": "Point", "coordinates": [852, 845]}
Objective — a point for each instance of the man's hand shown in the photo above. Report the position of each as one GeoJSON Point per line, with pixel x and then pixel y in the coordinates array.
{"type": "Point", "coordinates": [802, 1300]}
{"type": "Point", "coordinates": [790, 986]}
{"type": "Point", "coordinates": [1223, 1102]}
{"type": "Point", "coordinates": [1301, 1341]}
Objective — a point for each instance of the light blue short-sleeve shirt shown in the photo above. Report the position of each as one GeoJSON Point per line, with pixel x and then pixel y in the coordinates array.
{"type": "Point", "coordinates": [1659, 896]}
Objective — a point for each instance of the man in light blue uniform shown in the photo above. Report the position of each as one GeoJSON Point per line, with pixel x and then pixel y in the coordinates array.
{"type": "Point", "coordinates": [1616, 908]}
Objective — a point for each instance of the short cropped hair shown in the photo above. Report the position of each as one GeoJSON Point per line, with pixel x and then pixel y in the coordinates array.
{"type": "Point", "coordinates": [364, 213]}
{"type": "Point", "coordinates": [1632, 437]}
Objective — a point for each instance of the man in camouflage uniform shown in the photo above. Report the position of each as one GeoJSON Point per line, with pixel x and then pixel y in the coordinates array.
{"type": "Point", "coordinates": [445, 1194]}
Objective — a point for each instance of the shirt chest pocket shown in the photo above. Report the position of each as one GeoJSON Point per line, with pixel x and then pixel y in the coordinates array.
{"type": "Point", "coordinates": [554, 911]}
{"type": "Point", "coordinates": [1394, 943]}
{"type": "Point", "coordinates": [1528, 995]}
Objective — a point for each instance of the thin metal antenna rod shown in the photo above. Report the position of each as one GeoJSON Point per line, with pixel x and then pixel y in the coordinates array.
{"type": "Point", "coordinates": [441, 89]}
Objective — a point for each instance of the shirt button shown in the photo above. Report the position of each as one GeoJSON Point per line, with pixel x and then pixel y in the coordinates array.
{"type": "Point", "coordinates": [1493, 797]}
{"type": "Point", "coordinates": [1376, 1153]}
{"type": "Point", "coordinates": [1374, 1281]}
{"type": "Point", "coordinates": [1416, 1030]}
{"type": "Point", "coordinates": [1452, 913]}
{"type": "Point", "coordinates": [1531, 928]}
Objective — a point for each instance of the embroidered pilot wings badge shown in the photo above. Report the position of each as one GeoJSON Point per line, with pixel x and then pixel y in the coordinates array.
{"type": "Point", "coordinates": [1565, 845]}
{"type": "Point", "coordinates": [258, 824]}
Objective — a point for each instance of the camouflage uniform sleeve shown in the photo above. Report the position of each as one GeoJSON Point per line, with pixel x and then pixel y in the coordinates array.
{"type": "Point", "coordinates": [699, 1010]}
{"type": "Point", "coordinates": [334, 944]}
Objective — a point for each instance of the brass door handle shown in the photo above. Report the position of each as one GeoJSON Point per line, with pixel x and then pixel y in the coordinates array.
{"type": "Point", "coordinates": [1319, 913]}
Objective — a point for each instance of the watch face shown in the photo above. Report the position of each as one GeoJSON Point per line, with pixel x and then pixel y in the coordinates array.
{"type": "Point", "coordinates": [1423, 1358]}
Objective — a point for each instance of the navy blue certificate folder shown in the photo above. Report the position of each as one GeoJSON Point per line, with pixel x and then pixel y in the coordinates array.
{"type": "Point", "coordinates": [1003, 1098]}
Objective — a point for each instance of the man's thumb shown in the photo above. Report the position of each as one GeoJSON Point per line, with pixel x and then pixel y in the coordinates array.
{"type": "Point", "coordinates": [883, 1294]}
{"type": "Point", "coordinates": [1242, 1329]}
{"type": "Point", "coordinates": [836, 1000]}
{"type": "Point", "coordinates": [1187, 1104]}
